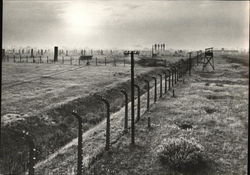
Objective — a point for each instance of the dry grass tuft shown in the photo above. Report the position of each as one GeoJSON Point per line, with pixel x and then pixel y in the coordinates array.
{"type": "Point", "coordinates": [181, 154]}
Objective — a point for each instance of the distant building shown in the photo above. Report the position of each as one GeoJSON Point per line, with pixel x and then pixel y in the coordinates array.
{"type": "Point", "coordinates": [225, 51]}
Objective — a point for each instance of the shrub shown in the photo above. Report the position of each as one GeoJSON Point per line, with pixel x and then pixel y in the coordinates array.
{"type": "Point", "coordinates": [181, 154]}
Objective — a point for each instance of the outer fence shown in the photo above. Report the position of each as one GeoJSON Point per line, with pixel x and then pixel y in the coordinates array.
{"type": "Point", "coordinates": [171, 77]}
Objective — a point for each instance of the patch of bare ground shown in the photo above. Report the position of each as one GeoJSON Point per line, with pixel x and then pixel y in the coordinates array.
{"type": "Point", "coordinates": [214, 116]}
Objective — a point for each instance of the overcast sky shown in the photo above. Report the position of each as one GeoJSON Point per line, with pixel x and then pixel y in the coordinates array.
{"type": "Point", "coordinates": [126, 24]}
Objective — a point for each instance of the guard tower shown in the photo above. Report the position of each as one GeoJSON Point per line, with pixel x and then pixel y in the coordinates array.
{"type": "Point", "coordinates": [208, 58]}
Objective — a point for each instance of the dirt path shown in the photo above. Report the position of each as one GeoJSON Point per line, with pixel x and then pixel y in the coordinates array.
{"type": "Point", "coordinates": [214, 104]}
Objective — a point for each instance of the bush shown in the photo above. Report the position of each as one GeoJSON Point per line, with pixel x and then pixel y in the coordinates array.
{"type": "Point", "coordinates": [181, 154]}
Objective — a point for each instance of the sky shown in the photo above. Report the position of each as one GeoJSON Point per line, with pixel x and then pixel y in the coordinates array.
{"type": "Point", "coordinates": [120, 24]}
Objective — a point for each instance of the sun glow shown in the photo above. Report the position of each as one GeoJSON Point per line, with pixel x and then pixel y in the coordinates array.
{"type": "Point", "coordinates": [82, 17]}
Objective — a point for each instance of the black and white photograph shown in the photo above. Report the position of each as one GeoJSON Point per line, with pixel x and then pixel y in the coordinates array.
{"type": "Point", "coordinates": [124, 87]}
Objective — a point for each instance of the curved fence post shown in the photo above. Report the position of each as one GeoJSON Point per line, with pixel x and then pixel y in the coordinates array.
{"type": "Point", "coordinates": [79, 146]}
{"type": "Point", "coordinates": [126, 110]}
{"type": "Point", "coordinates": [148, 94]}
{"type": "Point", "coordinates": [138, 102]}
{"type": "Point", "coordinates": [32, 150]}
{"type": "Point", "coordinates": [160, 85]}
{"type": "Point", "coordinates": [155, 97]}
{"type": "Point", "coordinates": [107, 123]}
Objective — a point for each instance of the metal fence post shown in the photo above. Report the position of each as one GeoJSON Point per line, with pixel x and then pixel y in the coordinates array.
{"type": "Point", "coordinates": [138, 102]}
{"type": "Point", "coordinates": [40, 59]}
{"type": "Point", "coordinates": [33, 59]}
{"type": "Point", "coordinates": [126, 110]}
{"type": "Point", "coordinates": [148, 94]}
{"type": "Point", "coordinates": [14, 59]}
{"type": "Point", "coordinates": [20, 58]}
{"type": "Point", "coordinates": [155, 97]}
{"type": "Point", "coordinates": [160, 85]}
{"type": "Point", "coordinates": [32, 150]}
{"type": "Point", "coordinates": [79, 146]}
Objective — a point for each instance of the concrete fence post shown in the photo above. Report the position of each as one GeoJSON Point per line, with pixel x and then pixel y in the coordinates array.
{"type": "Point", "coordinates": [32, 151]}
{"type": "Point", "coordinates": [107, 123]}
{"type": "Point", "coordinates": [160, 85]}
{"type": "Point", "coordinates": [79, 146]}
{"type": "Point", "coordinates": [155, 97]}
{"type": "Point", "coordinates": [32, 53]}
{"type": "Point", "coordinates": [55, 53]}
{"type": "Point", "coordinates": [169, 79]}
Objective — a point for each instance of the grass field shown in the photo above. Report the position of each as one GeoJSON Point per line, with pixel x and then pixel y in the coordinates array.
{"type": "Point", "coordinates": [39, 98]}
{"type": "Point", "coordinates": [213, 103]}
{"type": "Point", "coordinates": [41, 102]}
